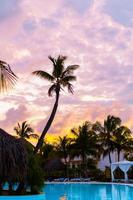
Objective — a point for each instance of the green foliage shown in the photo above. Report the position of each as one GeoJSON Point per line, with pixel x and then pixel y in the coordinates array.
{"type": "Point", "coordinates": [98, 175]}
{"type": "Point", "coordinates": [24, 130]}
{"type": "Point", "coordinates": [63, 147]}
{"type": "Point", "coordinates": [47, 151]}
{"type": "Point", "coordinates": [35, 177]}
{"type": "Point", "coordinates": [35, 174]}
{"type": "Point", "coordinates": [85, 144]}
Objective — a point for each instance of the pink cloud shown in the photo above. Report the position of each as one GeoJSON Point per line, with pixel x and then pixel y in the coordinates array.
{"type": "Point", "coordinates": [93, 39]}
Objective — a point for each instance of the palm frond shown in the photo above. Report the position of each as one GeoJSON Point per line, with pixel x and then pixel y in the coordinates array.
{"type": "Point", "coordinates": [70, 88]}
{"type": "Point", "coordinates": [58, 66]}
{"type": "Point", "coordinates": [74, 132]}
{"type": "Point", "coordinates": [43, 75]}
{"type": "Point", "coordinates": [34, 136]}
{"type": "Point", "coordinates": [24, 130]}
{"type": "Point", "coordinates": [67, 79]}
{"type": "Point", "coordinates": [52, 60]}
{"type": "Point", "coordinates": [7, 77]}
{"type": "Point", "coordinates": [70, 69]}
{"type": "Point", "coordinates": [51, 90]}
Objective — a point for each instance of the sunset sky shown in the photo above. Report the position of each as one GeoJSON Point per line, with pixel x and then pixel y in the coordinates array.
{"type": "Point", "coordinates": [96, 34]}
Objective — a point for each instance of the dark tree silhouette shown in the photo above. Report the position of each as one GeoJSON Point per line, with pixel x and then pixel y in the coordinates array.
{"type": "Point", "coordinates": [24, 130]}
{"type": "Point", "coordinates": [60, 78]}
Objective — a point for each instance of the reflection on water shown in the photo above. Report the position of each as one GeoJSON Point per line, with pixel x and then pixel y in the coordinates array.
{"type": "Point", "coordinates": [88, 192]}
{"type": "Point", "coordinates": [63, 197]}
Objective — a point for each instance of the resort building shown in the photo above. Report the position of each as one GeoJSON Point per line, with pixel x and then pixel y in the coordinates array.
{"type": "Point", "coordinates": [103, 162]}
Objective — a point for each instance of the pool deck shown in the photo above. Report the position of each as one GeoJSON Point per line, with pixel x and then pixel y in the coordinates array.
{"type": "Point", "coordinates": [91, 182]}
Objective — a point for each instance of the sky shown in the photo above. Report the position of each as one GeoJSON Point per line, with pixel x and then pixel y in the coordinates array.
{"type": "Point", "coordinates": [95, 34]}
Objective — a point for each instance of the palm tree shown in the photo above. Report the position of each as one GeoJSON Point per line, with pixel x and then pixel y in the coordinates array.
{"type": "Point", "coordinates": [122, 139]}
{"type": "Point", "coordinates": [107, 131]}
{"type": "Point", "coordinates": [47, 151]}
{"type": "Point", "coordinates": [24, 130]}
{"type": "Point", "coordinates": [63, 150]}
{"type": "Point", "coordinates": [63, 147]}
{"type": "Point", "coordinates": [86, 143]}
{"type": "Point", "coordinates": [61, 77]}
{"type": "Point", "coordinates": [7, 77]}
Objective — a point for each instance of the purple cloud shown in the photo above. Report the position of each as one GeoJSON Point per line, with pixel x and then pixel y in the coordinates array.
{"type": "Point", "coordinates": [8, 8]}
{"type": "Point", "coordinates": [121, 11]}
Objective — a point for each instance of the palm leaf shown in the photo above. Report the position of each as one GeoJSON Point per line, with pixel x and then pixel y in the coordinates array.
{"type": "Point", "coordinates": [51, 90]}
{"type": "Point", "coordinates": [68, 79]}
{"type": "Point", "coordinates": [7, 77]}
{"type": "Point", "coordinates": [69, 70]}
{"type": "Point", "coordinates": [43, 75]}
{"type": "Point", "coordinates": [72, 67]}
{"type": "Point", "coordinates": [70, 88]}
{"type": "Point", "coordinates": [58, 66]}
{"type": "Point", "coordinates": [34, 136]}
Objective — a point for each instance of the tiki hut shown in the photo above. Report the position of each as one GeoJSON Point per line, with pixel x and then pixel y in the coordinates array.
{"type": "Point", "coordinates": [13, 159]}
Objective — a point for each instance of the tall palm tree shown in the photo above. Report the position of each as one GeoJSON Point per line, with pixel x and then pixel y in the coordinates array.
{"type": "Point", "coordinates": [122, 139]}
{"type": "Point", "coordinates": [86, 143]}
{"type": "Point", "coordinates": [107, 131]}
{"type": "Point", "coordinates": [63, 147]}
{"type": "Point", "coordinates": [7, 77]}
{"type": "Point", "coordinates": [24, 130]}
{"type": "Point", "coordinates": [63, 150]}
{"type": "Point", "coordinates": [61, 77]}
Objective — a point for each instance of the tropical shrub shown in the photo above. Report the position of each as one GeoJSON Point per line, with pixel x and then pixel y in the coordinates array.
{"type": "Point", "coordinates": [35, 174]}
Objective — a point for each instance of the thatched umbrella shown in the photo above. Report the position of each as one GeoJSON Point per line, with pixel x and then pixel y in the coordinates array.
{"type": "Point", "coordinates": [13, 159]}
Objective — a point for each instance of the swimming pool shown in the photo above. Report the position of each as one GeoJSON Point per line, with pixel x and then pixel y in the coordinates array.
{"type": "Point", "coordinates": [88, 191]}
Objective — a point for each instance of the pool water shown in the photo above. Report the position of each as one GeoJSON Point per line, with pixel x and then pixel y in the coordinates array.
{"type": "Point", "coordinates": [88, 192]}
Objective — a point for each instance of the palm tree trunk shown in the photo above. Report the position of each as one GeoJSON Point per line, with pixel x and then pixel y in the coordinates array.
{"type": "Point", "coordinates": [1, 188]}
{"type": "Point", "coordinates": [65, 166]}
{"type": "Point", "coordinates": [83, 166]}
{"type": "Point", "coordinates": [118, 153]}
{"type": "Point", "coordinates": [110, 161]}
{"type": "Point", "coordinates": [49, 122]}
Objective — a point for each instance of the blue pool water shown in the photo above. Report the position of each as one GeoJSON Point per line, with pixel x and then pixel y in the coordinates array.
{"type": "Point", "coordinates": [88, 192]}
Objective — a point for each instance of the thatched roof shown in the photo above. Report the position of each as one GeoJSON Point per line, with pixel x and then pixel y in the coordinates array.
{"type": "Point", "coordinates": [13, 158]}
{"type": "Point", "coordinates": [54, 164]}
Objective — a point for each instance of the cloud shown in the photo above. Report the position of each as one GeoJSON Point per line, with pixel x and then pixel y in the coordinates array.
{"type": "Point", "coordinates": [8, 8]}
{"type": "Point", "coordinates": [30, 25]}
{"type": "Point", "coordinates": [121, 11]}
{"type": "Point", "coordinates": [12, 116]}
{"type": "Point", "coordinates": [90, 36]}
{"type": "Point", "coordinates": [79, 5]}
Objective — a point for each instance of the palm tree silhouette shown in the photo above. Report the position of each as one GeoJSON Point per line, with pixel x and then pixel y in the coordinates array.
{"type": "Point", "coordinates": [24, 130]}
{"type": "Point", "coordinates": [107, 131]}
{"type": "Point", "coordinates": [63, 149]}
{"type": "Point", "coordinates": [121, 139]}
{"type": "Point", "coordinates": [7, 77]}
{"type": "Point", "coordinates": [60, 78]}
{"type": "Point", "coordinates": [86, 143]}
